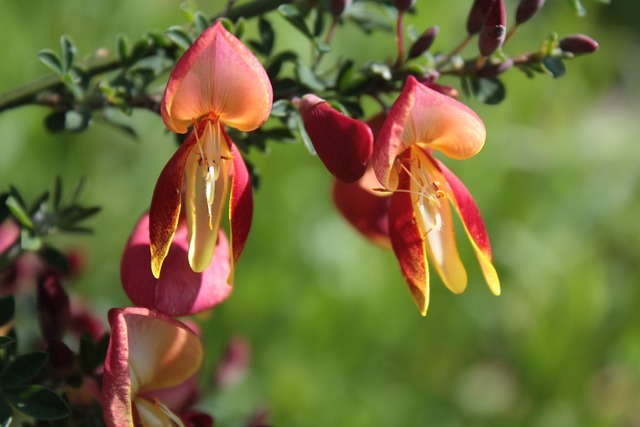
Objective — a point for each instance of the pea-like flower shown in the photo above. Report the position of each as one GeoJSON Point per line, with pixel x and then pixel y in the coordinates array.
{"type": "Point", "coordinates": [218, 82]}
{"type": "Point", "coordinates": [149, 371]}
{"type": "Point", "coordinates": [420, 219]}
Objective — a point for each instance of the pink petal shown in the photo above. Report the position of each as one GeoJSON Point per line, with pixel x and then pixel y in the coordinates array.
{"type": "Point", "coordinates": [217, 76]}
{"type": "Point", "coordinates": [343, 144]}
{"type": "Point", "coordinates": [179, 291]}
{"type": "Point", "coordinates": [240, 207]}
{"type": "Point", "coordinates": [165, 205]}
{"type": "Point", "coordinates": [473, 225]}
{"type": "Point", "coordinates": [409, 245]}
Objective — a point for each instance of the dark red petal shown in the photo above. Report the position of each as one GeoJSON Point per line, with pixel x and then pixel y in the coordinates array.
{"type": "Point", "coordinates": [240, 206]}
{"type": "Point", "coordinates": [343, 144]}
{"type": "Point", "coordinates": [166, 203]}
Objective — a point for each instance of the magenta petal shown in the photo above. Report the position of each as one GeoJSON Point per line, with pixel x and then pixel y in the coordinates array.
{"type": "Point", "coordinates": [343, 144]}
{"type": "Point", "coordinates": [179, 291]}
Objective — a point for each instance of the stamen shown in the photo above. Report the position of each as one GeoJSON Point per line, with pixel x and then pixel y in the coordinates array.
{"type": "Point", "coordinates": [160, 407]}
{"type": "Point", "coordinates": [210, 159]}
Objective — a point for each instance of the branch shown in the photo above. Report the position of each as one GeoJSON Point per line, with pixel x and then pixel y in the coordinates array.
{"type": "Point", "coordinates": [31, 93]}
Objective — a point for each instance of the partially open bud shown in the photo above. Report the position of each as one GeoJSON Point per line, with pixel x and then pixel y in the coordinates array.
{"type": "Point", "coordinates": [526, 9]}
{"type": "Point", "coordinates": [343, 144]}
{"type": "Point", "coordinates": [52, 301]}
{"type": "Point", "coordinates": [578, 43]}
{"type": "Point", "coordinates": [494, 30]}
{"type": "Point", "coordinates": [478, 15]}
{"type": "Point", "coordinates": [403, 5]}
{"type": "Point", "coordinates": [339, 6]}
{"type": "Point", "coordinates": [424, 42]}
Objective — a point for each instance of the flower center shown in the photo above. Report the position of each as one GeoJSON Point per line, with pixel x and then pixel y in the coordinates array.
{"type": "Point", "coordinates": [210, 147]}
{"type": "Point", "coordinates": [426, 195]}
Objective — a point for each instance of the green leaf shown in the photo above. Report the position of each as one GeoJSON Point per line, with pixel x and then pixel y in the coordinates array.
{"type": "Point", "coordinates": [51, 60]}
{"type": "Point", "coordinates": [308, 78]}
{"type": "Point", "coordinates": [318, 23]}
{"type": "Point", "coordinates": [304, 135]}
{"type": "Point", "coordinates": [6, 341]}
{"type": "Point", "coordinates": [54, 122]}
{"type": "Point", "coordinates": [276, 63]}
{"type": "Point", "coordinates": [68, 53]}
{"type": "Point", "coordinates": [38, 402]}
{"type": "Point", "coordinates": [77, 120]}
{"type": "Point", "coordinates": [139, 50]}
{"type": "Point", "coordinates": [6, 414]}
{"type": "Point", "coordinates": [122, 48]}
{"type": "Point", "coordinates": [281, 108]}
{"type": "Point", "coordinates": [7, 309]}
{"type": "Point", "coordinates": [267, 36]}
{"type": "Point", "coordinates": [488, 90]}
{"type": "Point", "coordinates": [292, 15]}
{"type": "Point", "coordinates": [54, 259]}
{"type": "Point", "coordinates": [322, 46]}
{"type": "Point", "coordinates": [202, 22]}
{"type": "Point", "coordinates": [22, 369]}
{"type": "Point", "coordinates": [19, 212]}
{"type": "Point", "coordinates": [240, 27]}
{"type": "Point", "coordinates": [577, 7]}
{"type": "Point", "coordinates": [554, 66]}
{"type": "Point", "coordinates": [179, 37]}
{"type": "Point", "coordinates": [29, 241]}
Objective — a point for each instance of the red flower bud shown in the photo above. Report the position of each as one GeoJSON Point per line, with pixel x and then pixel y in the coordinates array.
{"type": "Point", "coordinates": [339, 6]}
{"type": "Point", "coordinates": [578, 43]}
{"type": "Point", "coordinates": [403, 5]}
{"type": "Point", "coordinates": [526, 9]}
{"type": "Point", "coordinates": [478, 15]}
{"type": "Point", "coordinates": [424, 42]}
{"type": "Point", "coordinates": [343, 144]}
{"type": "Point", "coordinates": [61, 359]}
{"type": "Point", "coordinates": [494, 30]}
{"type": "Point", "coordinates": [52, 303]}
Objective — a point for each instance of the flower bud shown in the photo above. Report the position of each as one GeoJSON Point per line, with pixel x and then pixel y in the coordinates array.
{"type": "Point", "coordinates": [526, 9]}
{"type": "Point", "coordinates": [478, 15]}
{"type": "Point", "coordinates": [343, 144]}
{"type": "Point", "coordinates": [339, 6]}
{"type": "Point", "coordinates": [61, 359]}
{"type": "Point", "coordinates": [450, 91]}
{"type": "Point", "coordinates": [494, 30]}
{"type": "Point", "coordinates": [52, 302]}
{"type": "Point", "coordinates": [424, 42]}
{"type": "Point", "coordinates": [403, 5]}
{"type": "Point", "coordinates": [578, 43]}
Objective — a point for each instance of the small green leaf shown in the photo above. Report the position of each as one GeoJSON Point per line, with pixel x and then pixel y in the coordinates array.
{"type": "Point", "coordinates": [38, 402]}
{"type": "Point", "coordinates": [227, 24]}
{"type": "Point", "coordinates": [19, 212]}
{"type": "Point", "coordinates": [6, 414]}
{"type": "Point", "coordinates": [322, 47]}
{"type": "Point", "coordinates": [281, 108]}
{"type": "Point", "coordinates": [202, 22]}
{"type": "Point", "coordinates": [292, 15]}
{"type": "Point", "coordinates": [276, 63]}
{"type": "Point", "coordinates": [139, 50]}
{"type": "Point", "coordinates": [577, 7]}
{"type": "Point", "coordinates": [267, 36]}
{"type": "Point", "coordinates": [318, 23]}
{"type": "Point", "coordinates": [7, 309]}
{"type": "Point", "coordinates": [307, 77]}
{"type": "Point", "coordinates": [51, 60]}
{"type": "Point", "coordinates": [29, 241]}
{"type": "Point", "coordinates": [554, 66]}
{"type": "Point", "coordinates": [488, 90]}
{"type": "Point", "coordinates": [22, 369]}
{"type": "Point", "coordinates": [77, 120]}
{"type": "Point", "coordinates": [304, 135]}
{"type": "Point", "coordinates": [122, 48]}
{"type": "Point", "coordinates": [68, 53]}
{"type": "Point", "coordinates": [54, 122]}
{"type": "Point", "coordinates": [6, 341]}
{"type": "Point", "coordinates": [179, 37]}
{"type": "Point", "coordinates": [54, 259]}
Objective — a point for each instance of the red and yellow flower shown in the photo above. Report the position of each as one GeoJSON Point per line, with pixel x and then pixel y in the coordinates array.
{"type": "Point", "coordinates": [218, 82]}
{"type": "Point", "coordinates": [420, 219]}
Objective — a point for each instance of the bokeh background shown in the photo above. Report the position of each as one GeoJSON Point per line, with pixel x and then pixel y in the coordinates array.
{"type": "Point", "coordinates": [335, 337]}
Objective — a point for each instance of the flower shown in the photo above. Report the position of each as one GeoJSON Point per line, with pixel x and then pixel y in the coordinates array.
{"type": "Point", "coordinates": [149, 369]}
{"type": "Point", "coordinates": [343, 144]}
{"type": "Point", "coordinates": [217, 82]}
{"type": "Point", "coordinates": [420, 220]}
{"type": "Point", "coordinates": [180, 291]}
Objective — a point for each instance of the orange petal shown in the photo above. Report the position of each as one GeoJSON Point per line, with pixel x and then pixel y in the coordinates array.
{"type": "Point", "coordinates": [409, 245]}
{"type": "Point", "coordinates": [217, 76]}
{"type": "Point", "coordinates": [165, 205]}
{"type": "Point", "coordinates": [473, 225]}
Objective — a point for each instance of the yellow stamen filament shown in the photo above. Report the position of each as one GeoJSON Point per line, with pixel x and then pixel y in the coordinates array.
{"type": "Point", "coordinates": [160, 407]}
{"type": "Point", "coordinates": [210, 147]}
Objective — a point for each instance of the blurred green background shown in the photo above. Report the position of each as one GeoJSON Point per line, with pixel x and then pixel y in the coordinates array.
{"type": "Point", "coordinates": [335, 336]}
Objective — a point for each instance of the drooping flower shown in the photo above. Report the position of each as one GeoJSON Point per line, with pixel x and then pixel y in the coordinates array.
{"type": "Point", "coordinates": [180, 291]}
{"type": "Point", "coordinates": [420, 219]}
{"type": "Point", "coordinates": [343, 144]}
{"type": "Point", "coordinates": [218, 82]}
{"type": "Point", "coordinates": [149, 369]}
